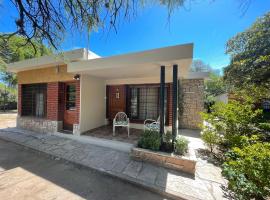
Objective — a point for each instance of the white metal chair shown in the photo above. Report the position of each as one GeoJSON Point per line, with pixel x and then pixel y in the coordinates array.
{"type": "Point", "coordinates": [151, 124]}
{"type": "Point", "coordinates": [122, 120]}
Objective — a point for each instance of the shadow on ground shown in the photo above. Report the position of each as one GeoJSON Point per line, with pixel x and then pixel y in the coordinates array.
{"type": "Point", "coordinates": [86, 183]}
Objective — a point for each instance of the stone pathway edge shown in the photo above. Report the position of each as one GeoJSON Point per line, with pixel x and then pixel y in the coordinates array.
{"type": "Point", "coordinates": [167, 193]}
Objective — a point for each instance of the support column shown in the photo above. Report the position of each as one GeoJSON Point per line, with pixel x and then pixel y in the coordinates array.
{"type": "Point", "coordinates": [175, 104]}
{"type": "Point", "coordinates": [162, 99]}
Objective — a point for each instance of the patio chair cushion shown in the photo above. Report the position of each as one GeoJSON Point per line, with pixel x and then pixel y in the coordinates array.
{"type": "Point", "coordinates": [121, 123]}
{"type": "Point", "coordinates": [152, 126]}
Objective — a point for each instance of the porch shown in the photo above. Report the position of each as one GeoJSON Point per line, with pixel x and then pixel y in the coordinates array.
{"type": "Point", "coordinates": [144, 85]}
{"type": "Point", "coordinates": [105, 132]}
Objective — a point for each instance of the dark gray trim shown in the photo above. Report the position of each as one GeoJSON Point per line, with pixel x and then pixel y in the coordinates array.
{"type": "Point", "coordinates": [162, 99]}
{"type": "Point", "coordinates": [174, 103]}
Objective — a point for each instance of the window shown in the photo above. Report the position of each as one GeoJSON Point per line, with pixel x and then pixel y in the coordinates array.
{"type": "Point", "coordinates": [34, 100]}
{"type": "Point", "coordinates": [144, 102]}
{"type": "Point", "coordinates": [70, 97]}
{"type": "Point", "coordinates": [266, 105]}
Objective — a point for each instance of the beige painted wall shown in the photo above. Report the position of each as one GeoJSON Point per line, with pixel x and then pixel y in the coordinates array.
{"type": "Point", "coordinates": [45, 75]}
{"type": "Point", "coordinates": [93, 103]}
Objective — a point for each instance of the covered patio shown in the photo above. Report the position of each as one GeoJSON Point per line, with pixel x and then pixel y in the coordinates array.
{"type": "Point", "coordinates": [105, 132]}
{"type": "Point", "coordinates": [159, 67]}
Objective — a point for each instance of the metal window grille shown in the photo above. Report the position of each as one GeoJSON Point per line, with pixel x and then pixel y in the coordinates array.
{"type": "Point", "coordinates": [34, 98]}
{"type": "Point", "coordinates": [144, 102]}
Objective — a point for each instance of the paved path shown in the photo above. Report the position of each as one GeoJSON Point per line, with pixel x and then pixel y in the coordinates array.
{"type": "Point", "coordinates": [26, 174]}
{"type": "Point", "coordinates": [7, 119]}
{"type": "Point", "coordinates": [205, 185]}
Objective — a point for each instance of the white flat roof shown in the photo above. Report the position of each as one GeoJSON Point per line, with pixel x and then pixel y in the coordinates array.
{"type": "Point", "coordinates": [139, 64]}
{"type": "Point", "coordinates": [50, 60]}
{"type": "Point", "coordinates": [131, 65]}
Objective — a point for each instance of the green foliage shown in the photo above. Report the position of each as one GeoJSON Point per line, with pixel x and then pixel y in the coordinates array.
{"type": "Point", "coordinates": [213, 87]}
{"type": "Point", "coordinates": [210, 138]}
{"type": "Point", "coordinates": [264, 126]}
{"type": "Point", "coordinates": [14, 50]}
{"type": "Point", "coordinates": [167, 138]}
{"type": "Point", "coordinates": [181, 145]}
{"type": "Point", "coordinates": [233, 120]}
{"type": "Point", "coordinates": [252, 93]}
{"type": "Point", "coordinates": [7, 94]}
{"type": "Point", "coordinates": [199, 66]}
{"type": "Point", "coordinates": [247, 171]}
{"type": "Point", "coordinates": [250, 56]}
{"type": "Point", "coordinates": [150, 140]}
{"type": "Point", "coordinates": [266, 116]}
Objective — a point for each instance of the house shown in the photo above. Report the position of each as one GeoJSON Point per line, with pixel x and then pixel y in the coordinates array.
{"type": "Point", "coordinates": [79, 90]}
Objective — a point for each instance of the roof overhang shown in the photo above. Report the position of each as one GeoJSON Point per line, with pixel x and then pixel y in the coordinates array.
{"type": "Point", "coordinates": [51, 60]}
{"type": "Point", "coordinates": [139, 64]}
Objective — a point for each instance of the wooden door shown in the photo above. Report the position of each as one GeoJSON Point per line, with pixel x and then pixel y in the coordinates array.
{"type": "Point", "coordinates": [117, 100]}
{"type": "Point", "coordinates": [69, 106]}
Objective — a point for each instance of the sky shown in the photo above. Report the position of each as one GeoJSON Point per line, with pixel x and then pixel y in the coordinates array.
{"type": "Point", "coordinates": [206, 23]}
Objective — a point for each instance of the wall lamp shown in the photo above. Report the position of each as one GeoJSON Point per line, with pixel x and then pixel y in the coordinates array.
{"type": "Point", "coordinates": [76, 77]}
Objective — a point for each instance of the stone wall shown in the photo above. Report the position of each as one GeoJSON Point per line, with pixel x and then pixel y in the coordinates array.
{"type": "Point", "coordinates": [191, 103]}
{"type": "Point", "coordinates": [180, 163]}
{"type": "Point", "coordinates": [39, 125]}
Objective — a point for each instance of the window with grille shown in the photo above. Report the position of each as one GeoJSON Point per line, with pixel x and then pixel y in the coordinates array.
{"type": "Point", "coordinates": [144, 102]}
{"type": "Point", "coordinates": [34, 100]}
{"type": "Point", "coordinates": [70, 97]}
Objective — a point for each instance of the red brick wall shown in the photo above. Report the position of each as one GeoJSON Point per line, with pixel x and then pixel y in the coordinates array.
{"type": "Point", "coordinates": [53, 99]}
{"type": "Point", "coordinates": [56, 100]}
{"type": "Point", "coordinates": [77, 116]}
{"type": "Point", "coordinates": [169, 106]}
{"type": "Point", "coordinates": [61, 101]}
{"type": "Point", "coordinates": [19, 99]}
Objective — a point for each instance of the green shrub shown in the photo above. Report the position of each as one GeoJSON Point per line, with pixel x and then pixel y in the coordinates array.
{"type": "Point", "coordinates": [265, 126]}
{"type": "Point", "coordinates": [166, 145]}
{"type": "Point", "coordinates": [150, 140]}
{"type": "Point", "coordinates": [233, 120]}
{"type": "Point", "coordinates": [247, 171]}
{"type": "Point", "coordinates": [210, 138]}
{"type": "Point", "coordinates": [181, 145]}
{"type": "Point", "coordinates": [167, 138]}
{"type": "Point", "coordinates": [242, 141]}
{"type": "Point", "coordinates": [266, 116]}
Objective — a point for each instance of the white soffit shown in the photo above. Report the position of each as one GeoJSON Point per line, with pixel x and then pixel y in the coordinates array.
{"type": "Point", "coordinates": [139, 64]}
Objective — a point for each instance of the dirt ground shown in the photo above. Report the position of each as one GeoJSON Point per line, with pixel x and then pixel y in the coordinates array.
{"type": "Point", "coordinates": [8, 119]}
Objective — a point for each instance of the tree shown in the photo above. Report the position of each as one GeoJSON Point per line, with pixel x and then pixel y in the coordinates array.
{"type": "Point", "coordinates": [49, 20]}
{"type": "Point", "coordinates": [199, 66]}
{"type": "Point", "coordinates": [11, 51]}
{"type": "Point", "coordinates": [250, 56]}
{"type": "Point", "coordinates": [212, 87]}
{"type": "Point", "coordinates": [14, 50]}
{"type": "Point", "coordinates": [215, 85]}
